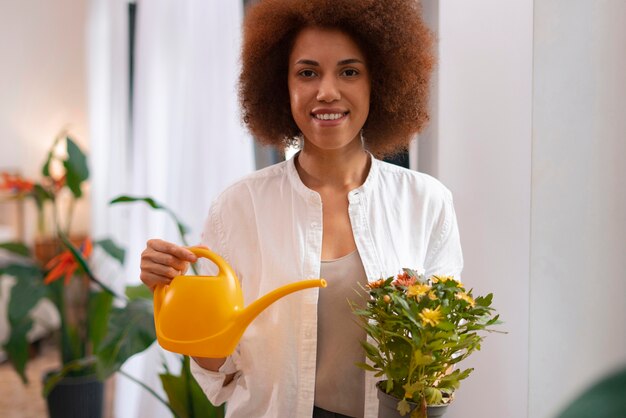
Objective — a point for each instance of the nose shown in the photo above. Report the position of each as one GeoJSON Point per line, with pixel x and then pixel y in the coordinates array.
{"type": "Point", "coordinates": [328, 89]}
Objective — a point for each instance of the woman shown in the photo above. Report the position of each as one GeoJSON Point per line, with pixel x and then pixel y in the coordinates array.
{"type": "Point", "coordinates": [344, 79]}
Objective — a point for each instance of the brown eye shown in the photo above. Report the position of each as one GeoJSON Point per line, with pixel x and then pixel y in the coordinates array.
{"type": "Point", "coordinates": [307, 73]}
{"type": "Point", "coordinates": [350, 72]}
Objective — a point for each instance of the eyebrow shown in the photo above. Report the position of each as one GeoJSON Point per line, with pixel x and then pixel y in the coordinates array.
{"type": "Point", "coordinates": [342, 62]}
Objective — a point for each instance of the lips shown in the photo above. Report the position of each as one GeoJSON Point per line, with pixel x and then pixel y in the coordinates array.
{"type": "Point", "coordinates": [329, 114]}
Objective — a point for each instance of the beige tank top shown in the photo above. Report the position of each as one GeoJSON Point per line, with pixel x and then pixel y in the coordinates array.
{"type": "Point", "coordinates": [339, 384]}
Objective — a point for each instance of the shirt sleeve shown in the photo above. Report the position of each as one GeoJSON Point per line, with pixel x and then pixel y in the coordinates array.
{"type": "Point", "coordinates": [444, 256]}
{"type": "Point", "coordinates": [212, 383]}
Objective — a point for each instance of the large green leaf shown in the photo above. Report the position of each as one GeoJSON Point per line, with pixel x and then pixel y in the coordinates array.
{"type": "Point", "coordinates": [76, 169]}
{"type": "Point", "coordinates": [100, 304]}
{"type": "Point", "coordinates": [186, 397]}
{"type": "Point", "coordinates": [27, 291]}
{"type": "Point", "coordinates": [16, 248]}
{"type": "Point", "coordinates": [605, 399]}
{"type": "Point", "coordinates": [112, 249]}
{"type": "Point", "coordinates": [182, 229]}
{"type": "Point", "coordinates": [130, 331]}
{"type": "Point", "coordinates": [16, 346]}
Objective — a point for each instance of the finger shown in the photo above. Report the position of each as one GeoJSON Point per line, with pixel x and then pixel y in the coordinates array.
{"type": "Point", "coordinates": [160, 269]}
{"type": "Point", "coordinates": [173, 249]}
{"type": "Point", "coordinates": [165, 260]}
{"type": "Point", "coordinates": [153, 280]}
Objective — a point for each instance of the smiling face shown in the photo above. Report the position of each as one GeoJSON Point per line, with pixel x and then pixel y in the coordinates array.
{"type": "Point", "coordinates": [329, 88]}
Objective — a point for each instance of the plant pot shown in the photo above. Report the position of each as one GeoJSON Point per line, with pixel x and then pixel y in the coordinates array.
{"type": "Point", "coordinates": [388, 407]}
{"type": "Point", "coordinates": [76, 397]}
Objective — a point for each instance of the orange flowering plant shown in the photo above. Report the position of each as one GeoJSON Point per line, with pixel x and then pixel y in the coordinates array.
{"type": "Point", "coordinates": [95, 334]}
{"type": "Point", "coordinates": [71, 173]}
{"type": "Point", "coordinates": [421, 328]}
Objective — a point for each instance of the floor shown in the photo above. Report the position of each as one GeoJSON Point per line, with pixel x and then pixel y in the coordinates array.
{"type": "Point", "coordinates": [25, 401]}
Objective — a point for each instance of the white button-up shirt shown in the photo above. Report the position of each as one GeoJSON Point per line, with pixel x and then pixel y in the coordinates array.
{"type": "Point", "coordinates": [268, 226]}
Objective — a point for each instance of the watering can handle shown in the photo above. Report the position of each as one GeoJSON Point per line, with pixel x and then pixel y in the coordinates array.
{"type": "Point", "coordinates": [222, 265]}
{"type": "Point", "coordinates": [219, 261]}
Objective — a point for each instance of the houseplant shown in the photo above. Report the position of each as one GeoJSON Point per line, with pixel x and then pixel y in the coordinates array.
{"type": "Point", "coordinates": [96, 335]}
{"type": "Point", "coordinates": [99, 329]}
{"type": "Point", "coordinates": [185, 397]}
{"type": "Point", "coordinates": [421, 328]}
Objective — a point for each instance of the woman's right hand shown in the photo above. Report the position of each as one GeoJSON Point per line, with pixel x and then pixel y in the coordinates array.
{"type": "Point", "coordinates": [161, 261]}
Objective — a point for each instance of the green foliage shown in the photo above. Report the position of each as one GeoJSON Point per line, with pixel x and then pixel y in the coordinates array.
{"type": "Point", "coordinates": [27, 291]}
{"type": "Point", "coordinates": [76, 170]}
{"type": "Point", "coordinates": [182, 229]}
{"type": "Point", "coordinates": [16, 248]}
{"type": "Point", "coordinates": [604, 399]}
{"type": "Point", "coordinates": [185, 395]}
{"type": "Point", "coordinates": [104, 336]}
{"type": "Point", "coordinates": [112, 249]}
{"type": "Point", "coordinates": [421, 328]}
{"type": "Point", "coordinates": [130, 331]}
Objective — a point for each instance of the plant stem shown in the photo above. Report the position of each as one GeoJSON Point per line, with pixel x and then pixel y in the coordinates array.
{"type": "Point", "coordinates": [70, 214]}
{"type": "Point", "coordinates": [150, 390]}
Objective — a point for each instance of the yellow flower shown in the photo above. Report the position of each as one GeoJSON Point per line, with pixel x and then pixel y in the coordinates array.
{"type": "Point", "coordinates": [467, 298]}
{"type": "Point", "coordinates": [431, 316]}
{"type": "Point", "coordinates": [417, 290]}
{"type": "Point", "coordinates": [442, 279]}
{"type": "Point", "coordinates": [432, 295]}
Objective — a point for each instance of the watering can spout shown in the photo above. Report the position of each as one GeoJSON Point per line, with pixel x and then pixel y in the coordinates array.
{"type": "Point", "coordinates": [258, 306]}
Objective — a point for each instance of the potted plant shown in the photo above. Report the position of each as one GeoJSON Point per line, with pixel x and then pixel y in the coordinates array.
{"type": "Point", "coordinates": [96, 336]}
{"type": "Point", "coordinates": [420, 329]}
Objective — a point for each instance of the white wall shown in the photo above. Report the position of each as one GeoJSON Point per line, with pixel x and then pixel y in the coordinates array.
{"type": "Point", "coordinates": [42, 80]}
{"type": "Point", "coordinates": [578, 268]}
{"type": "Point", "coordinates": [529, 133]}
{"type": "Point", "coordinates": [483, 156]}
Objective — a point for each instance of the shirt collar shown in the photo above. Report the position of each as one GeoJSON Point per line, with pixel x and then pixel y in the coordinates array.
{"type": "Point", "coordinates": [300, 187]}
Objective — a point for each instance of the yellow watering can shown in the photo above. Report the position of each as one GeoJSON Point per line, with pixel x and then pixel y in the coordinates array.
{"type": "Point", "coordinates": [204, 316]}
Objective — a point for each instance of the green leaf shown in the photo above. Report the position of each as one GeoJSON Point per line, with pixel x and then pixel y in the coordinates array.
{"type": "Point", "coordinates": [45, 169]}
{"type": "Point", "coordinates": [365, 366]}
{"type": "Point", "coordinates": [404, 407]}
{"type": "Point", "coordinates": [130, 331]}
{"type": "Point", "coordinates": [186, 397]}
{"type": "Point", "coordinates": [100, 304]}
{"type": "Point", "coordinates": [41, 195]}
{"type": "Point", "coordinates": [139, 291]}
{"type": "Point", "coordinates": [112, 249]}
{"type": "Point", "coordinates": [421, 359]}
{"type": "Point", "coordinates": [369, 348]}
{"type": "Point", "coordinates": [27, 291]}
{"type": "Point", "coordinates": [433, 396]}
{"type": "Point", "coordinates": [16, 346]}
{"type": "Point", "coordinates": [16, 248]}
{"type": "Point", "coordinates": [604, 399]}
{"type": "Point", "coordinates": [76, 169]}
{"type": "Point", "coordinates": [182, 229]}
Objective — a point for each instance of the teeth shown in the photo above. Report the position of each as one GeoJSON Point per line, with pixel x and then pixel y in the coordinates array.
{"type": "Point", "coordinates": [328, 116]}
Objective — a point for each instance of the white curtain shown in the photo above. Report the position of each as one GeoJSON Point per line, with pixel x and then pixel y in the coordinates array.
{"type": "Point", "coordinates": [186, 143]}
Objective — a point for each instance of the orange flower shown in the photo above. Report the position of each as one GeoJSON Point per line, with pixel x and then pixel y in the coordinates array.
{"type": "Point", "coordinates": [15, 183]}
{"type": "Point", "coordinates": [404, 280]}
{"type": "Point", "coordinates": [65, 264]}
{"type": "Point", "coordinates": [376, 284]}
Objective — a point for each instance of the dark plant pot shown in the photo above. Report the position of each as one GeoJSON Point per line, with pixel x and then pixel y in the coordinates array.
{"type": "Point", "coordinates": [388, 407]}
{"type": "Point", "coordinates": [76, 397]}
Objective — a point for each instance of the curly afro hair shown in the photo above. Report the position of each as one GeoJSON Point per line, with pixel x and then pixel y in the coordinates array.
{"type": "Point", "coordinates": [397, 46]}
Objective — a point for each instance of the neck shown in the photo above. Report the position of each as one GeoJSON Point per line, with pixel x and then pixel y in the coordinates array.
{"type": "Point", "coordinates": [344, 168]}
